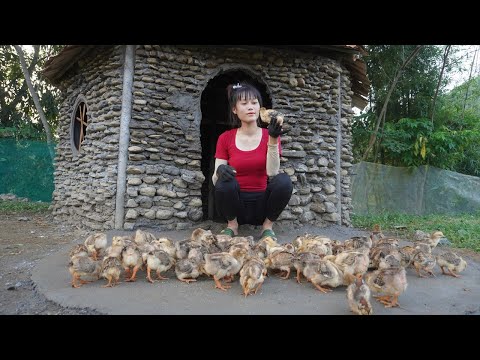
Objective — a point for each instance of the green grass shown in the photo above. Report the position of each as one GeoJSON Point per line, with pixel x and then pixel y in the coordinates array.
{"type": "Point", "coordinates": [462, 230]}
{"type": "Point", "coordinates": [16, 207]}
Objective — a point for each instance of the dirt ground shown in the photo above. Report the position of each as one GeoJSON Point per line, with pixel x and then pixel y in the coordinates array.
{"type": "Point", "coordinates": [27, 238]}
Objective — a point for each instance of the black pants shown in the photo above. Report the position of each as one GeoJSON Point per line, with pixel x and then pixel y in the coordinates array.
{"type": "Point", "coordinates": [253, 207]}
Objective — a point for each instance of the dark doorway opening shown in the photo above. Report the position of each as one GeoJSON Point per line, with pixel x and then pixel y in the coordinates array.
{"type": "Point", "coordinates": [215, 110]}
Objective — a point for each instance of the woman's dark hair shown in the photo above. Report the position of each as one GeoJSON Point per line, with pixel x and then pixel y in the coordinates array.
{"type": "Point", "coordinates": [241, 91]}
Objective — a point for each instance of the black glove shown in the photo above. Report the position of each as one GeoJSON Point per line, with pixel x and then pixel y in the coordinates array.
{"type": "Point", "coordinates": [225, 172]}
{"type": "Point", "coordinates": [275, 129]}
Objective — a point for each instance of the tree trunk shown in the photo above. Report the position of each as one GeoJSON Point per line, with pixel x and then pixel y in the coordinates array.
{"type": "Point", "coordinates": [36, 100]}
{"type": "Point", "coordinates": [468, 83]}
{"type": "Point", "coordinates": [445, 55]}
{"type": "Point", "coordinates": [373, 137]}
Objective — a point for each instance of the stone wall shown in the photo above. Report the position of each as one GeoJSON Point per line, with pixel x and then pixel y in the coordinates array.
{"type": "Point", "coordinates": [164, 178]}
{"type": "Point", "coordinates": [163, 174]}
{"type": "Point", "coordinates": [85, 182]}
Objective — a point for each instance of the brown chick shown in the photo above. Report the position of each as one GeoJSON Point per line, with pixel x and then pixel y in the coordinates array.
{"type": "Point", "coordinates": [96, 244]}
{"type": "Point", "coordinates": [159, 261]}
{"type": "Point", "coordinates": [252, 275]}
{"type": "Point", "coordinates": [351, 262]}
{"type": "Point", "coordinates": [200, 234]}
{"type": "Point", "coordinates": [267, 114]}
{"type": "Point", "coordinates": [323, 273]}
{"type": "Point", "coordinates": [281, 260]}
{"type": "Point", "coordinates": [301, 260]}
{"type": "Point", "coordinates": [452, 262]}
{"type": "Point", "coordinates": [390, 279]}
{"type": "Point", "coordinates": [78, 250]}
{"type": "Point", "coordinates": [358, 242]}
{"type": "Point", "coordinates": [82, 267]}
{"type": "Point", "coordinates": [423, 259]}
{"type": "Point", "coordinates": [188, 270]}
{"type": "Point", "coordinates": [111, 269]}
{"type": "Point", "coordinates": [221, 265]}
{"type": "Point", "coordinates": [223, 242]}
{"type": "Point", "coordinates": [143, 237]}
{"type": "Point", "coordinates": [358, 296]}
{"type": "Point", "coordinates": [433, 239]}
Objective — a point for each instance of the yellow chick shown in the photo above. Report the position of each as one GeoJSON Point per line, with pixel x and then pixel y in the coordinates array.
{"type": "Point", "coordinates": [452, 262]}
{"type": "Point", "coordinates": [118, 243]}
{"type": "Point", "coordinates": [131, 258]}
{"type": "Point", "coordinates": [433, 239]}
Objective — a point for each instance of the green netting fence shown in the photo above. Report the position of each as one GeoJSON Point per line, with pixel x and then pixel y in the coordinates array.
{"type": "Point", "coordinates": [420, 190]}
{"type": "Point", "coordinates": [26, 169]}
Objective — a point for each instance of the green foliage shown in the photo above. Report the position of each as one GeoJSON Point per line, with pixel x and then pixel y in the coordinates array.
{"type": "Point", "coordinates": [17, 109]}
{"type": "Point", "coordinates": [412, 96]}
{"type": "Point", "coordinates": [14, 207]}
{"type": "Point", "coordinates": [462, 230]}
{"type": "Point", "coordinates": [405, 142]}
{"type": "Point", "coordinates": [408, 136]}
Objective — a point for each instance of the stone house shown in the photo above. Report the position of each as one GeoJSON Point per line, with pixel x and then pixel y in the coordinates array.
{"type": "Point", "coordinates": [138, 127]}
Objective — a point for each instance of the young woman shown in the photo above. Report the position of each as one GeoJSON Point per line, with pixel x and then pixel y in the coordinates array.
{"type": "Point", "coordinates": [248, 186]}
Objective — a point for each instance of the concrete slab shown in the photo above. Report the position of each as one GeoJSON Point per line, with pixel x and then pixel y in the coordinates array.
{"type": "Point", "coordinates": [441, 295]}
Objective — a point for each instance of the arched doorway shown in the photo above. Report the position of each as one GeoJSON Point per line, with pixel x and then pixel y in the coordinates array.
{"type": "Point", "coordinates": [214, 107]}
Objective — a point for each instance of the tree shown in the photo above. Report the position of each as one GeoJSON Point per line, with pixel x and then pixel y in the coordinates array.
{"type": "Point", "coordinates": [402, 87]}
{"type": "Point", "coordinates": [381, 117]}
{"type": "Point", "coordinates": [17, 109]}
{"type": "Point", "coordinates": [34, 95]}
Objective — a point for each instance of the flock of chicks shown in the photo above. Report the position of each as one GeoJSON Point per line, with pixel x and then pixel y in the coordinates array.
{"type": "Point", "coordinates": [324, 262]}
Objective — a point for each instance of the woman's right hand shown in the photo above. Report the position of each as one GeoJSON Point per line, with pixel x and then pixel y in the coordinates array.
{"type": "Point", "coordinates": [226, 172]}
{"type": "Point", "coordinates": [275, 128]}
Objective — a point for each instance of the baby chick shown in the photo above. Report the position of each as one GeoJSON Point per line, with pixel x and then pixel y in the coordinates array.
{"type": "Point", "coordinates": [111, 269]}
{"type": "Point", "coordinates": [358, 296]}
{"type": "Point", "coordinates": [158, 261]}
{"type": "Point", "coordinates": [252, 275]}
{"type": "Point", "coordinates": [82, 267]}
{"type": "Point", "coordinates": [390, 279]}
{"type": "Point", "coordinates": [131, 258]}
{"type": "Point", "coordinates": [452, 262]}
{"type": "Point", "coordinates": [301, 260]}
{"type": "Point", "coordinates": [96, 244]}
{"type": "Point", "coordinates": [221, 265]}
{"type": "Point", "coordinates": [78, 250]}
{"type": "Point", "coordinates": [323, 273]}
{"type": "Point", "coordinates": [267, 114]}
